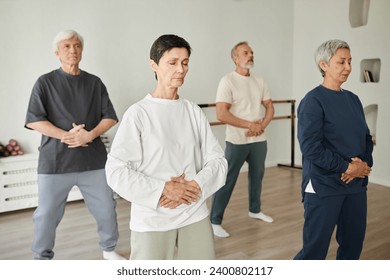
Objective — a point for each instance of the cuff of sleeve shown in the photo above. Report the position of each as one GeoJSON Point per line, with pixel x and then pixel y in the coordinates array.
{"type": "Point", "coordinates": [344, 166]}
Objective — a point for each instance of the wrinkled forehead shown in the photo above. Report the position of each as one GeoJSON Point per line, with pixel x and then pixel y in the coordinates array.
{"type": "Point", "coordinates": [244, 49]}
{"type": "Point", "coordinates": [73, 40]}
{"type": "Point", "coordinates": [343, 53]}
{"type": "Point", "coordinates": [176, 53]}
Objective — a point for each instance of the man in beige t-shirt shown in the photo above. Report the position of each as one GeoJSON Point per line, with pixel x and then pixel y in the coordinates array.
{"type": "Point", "coordinates": [238, 101]}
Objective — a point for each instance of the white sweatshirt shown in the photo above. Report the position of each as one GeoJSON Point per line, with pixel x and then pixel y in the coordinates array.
{"type": "Point", "coordinates": [158, 139]}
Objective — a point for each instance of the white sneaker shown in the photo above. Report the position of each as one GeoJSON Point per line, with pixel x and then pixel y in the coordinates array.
{"type": "Point", "coordinates": [261, 216]}
{"type": "Point", "coordinates": [113, 256]}
{"type": "Point", "coordinates": [220, 231]}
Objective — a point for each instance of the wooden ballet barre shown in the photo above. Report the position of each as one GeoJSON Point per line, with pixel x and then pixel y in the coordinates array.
{"type": "Point", "coordinates": [208, 105]}
{"type": "Point", "coordinates": [291, 117]}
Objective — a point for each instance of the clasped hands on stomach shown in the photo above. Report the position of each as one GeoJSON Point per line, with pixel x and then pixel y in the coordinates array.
{"type": "Point", "coordinates": [179, 191]}
{"type": "Point", "coordinates": [356, 169]}
{"type": "Point", "coordinates": [255, 129]}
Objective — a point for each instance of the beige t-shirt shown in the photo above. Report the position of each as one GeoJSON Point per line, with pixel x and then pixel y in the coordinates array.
{"type": "Point", "coordinates": [245, 94]}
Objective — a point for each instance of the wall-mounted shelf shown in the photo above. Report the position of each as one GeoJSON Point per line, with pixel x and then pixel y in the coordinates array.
{"type": "Point", "coordinates": [358, 12]}
{"type": "Point", "coordinates": [370, 70]}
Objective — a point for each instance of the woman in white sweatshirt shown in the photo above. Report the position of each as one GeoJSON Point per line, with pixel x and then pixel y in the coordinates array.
{"type": "Point", "coordinates": [167, 162]}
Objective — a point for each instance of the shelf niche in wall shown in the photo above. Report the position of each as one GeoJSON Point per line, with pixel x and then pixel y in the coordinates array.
{"type": "Point", "coordinates": [358, 12]}
{"type": "Point", "coordinates": [370, 70]}
{"type": "Point", "coordinates": [371, 114]}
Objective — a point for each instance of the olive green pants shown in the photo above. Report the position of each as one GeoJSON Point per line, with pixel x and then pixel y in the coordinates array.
{"type": "Point", "coordinates": [192, 242]}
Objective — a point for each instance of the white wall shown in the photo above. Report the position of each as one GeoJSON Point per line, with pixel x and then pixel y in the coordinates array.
{"type": "Point", "coordinates": [318, 21]}
{"type": "Point", "coordinates": [118, 35]}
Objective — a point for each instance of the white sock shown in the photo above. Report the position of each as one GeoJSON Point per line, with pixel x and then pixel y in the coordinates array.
{"type": "Point", "coordinates": [220, 231]}
{"type": "Point", "coordinates": [261, 216]}
{"type": "Point", "coordinates": [112, 256]}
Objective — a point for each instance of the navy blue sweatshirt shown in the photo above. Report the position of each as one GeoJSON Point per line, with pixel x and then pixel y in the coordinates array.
{"type": "Point", "coordinates": [331, 130]}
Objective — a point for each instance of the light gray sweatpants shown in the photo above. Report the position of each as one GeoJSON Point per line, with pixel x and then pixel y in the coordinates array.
{"type": "Point", "coordinates": [53, 190]}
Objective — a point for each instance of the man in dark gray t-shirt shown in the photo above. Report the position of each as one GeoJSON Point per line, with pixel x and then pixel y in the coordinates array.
{"type": "Point", "coordinates": [71, 109]}
{"type": "Point", "coordinates": [62, 99]}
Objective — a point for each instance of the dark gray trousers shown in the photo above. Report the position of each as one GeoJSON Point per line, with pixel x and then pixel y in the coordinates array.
{"type": "Point", "coordinates": [254, 154]}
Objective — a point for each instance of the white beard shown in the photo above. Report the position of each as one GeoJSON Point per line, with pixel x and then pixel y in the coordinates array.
{"type": "Point", "coordinates": [248, 65]}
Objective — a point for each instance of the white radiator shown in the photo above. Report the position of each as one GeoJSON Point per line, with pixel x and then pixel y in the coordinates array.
{"type": "Point", "coordinates": [18, 183]}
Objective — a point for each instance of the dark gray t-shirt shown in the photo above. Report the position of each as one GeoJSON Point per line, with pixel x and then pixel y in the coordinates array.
{"type": "Point", "coordinates": [63, 99]}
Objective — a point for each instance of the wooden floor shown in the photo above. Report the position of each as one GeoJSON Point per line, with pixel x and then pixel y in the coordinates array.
{"type": "Point", "coordinates": [250, 239]}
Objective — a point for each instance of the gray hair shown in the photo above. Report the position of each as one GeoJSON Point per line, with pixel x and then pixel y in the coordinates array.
{"type": "Point", "coordinates": [65, 35]}
{"type": "Point", "coordinates": [326, 51]}
{"type": "Point", "coordinates": [234, 49]}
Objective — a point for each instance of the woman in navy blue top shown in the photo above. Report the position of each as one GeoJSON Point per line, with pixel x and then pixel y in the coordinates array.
{"type": "Point", "coordinates": [336, 148]}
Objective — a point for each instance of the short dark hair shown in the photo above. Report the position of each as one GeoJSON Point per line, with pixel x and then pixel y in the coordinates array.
{"type": "Point", "coordinates": [165, 43]}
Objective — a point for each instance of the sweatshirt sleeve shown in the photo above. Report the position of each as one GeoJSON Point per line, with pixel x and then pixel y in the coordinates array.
{"type": "Point", "coordinates": [213, 174]}
{"type": "Point", "coordinates": [311, 137]}
{"type": "Point", "coordinates": [367, 156]}
{"type": "Point", "coordinates": [123, 161]}
{"type": "Point", "coordinates": [369, 149]}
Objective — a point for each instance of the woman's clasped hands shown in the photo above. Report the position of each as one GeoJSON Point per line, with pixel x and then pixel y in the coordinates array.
{"type": "Point", "coordinates": [179, 191]}
{"type": "Point", "coordinates": [356, 169]}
